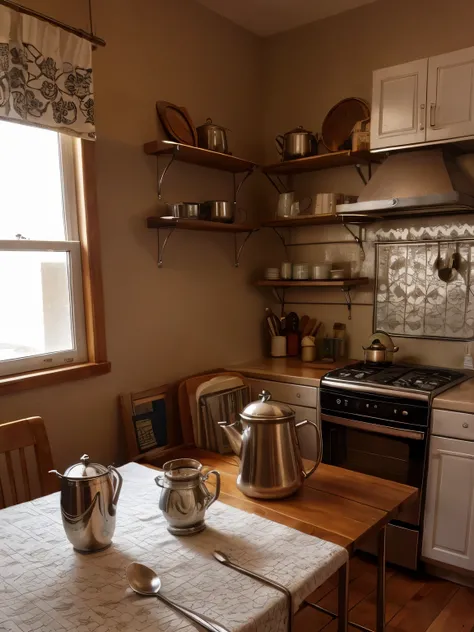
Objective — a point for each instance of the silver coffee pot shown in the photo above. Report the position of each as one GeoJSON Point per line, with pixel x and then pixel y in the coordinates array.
{"type": "Point", "coordinates": [184, 496]}
{"type": "Point", "coordinates": [267, 443]}
{"type": "Point", "coordinates": [89, 496]}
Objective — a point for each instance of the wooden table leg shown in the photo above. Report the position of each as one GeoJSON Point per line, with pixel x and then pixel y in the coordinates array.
{"type": "Point", "coordinates": [343, 598]}
{"type": "Point", "coordinates": [381, 545]}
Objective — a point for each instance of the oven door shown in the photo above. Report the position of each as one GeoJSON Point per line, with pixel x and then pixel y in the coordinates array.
{"type": "Point", "coordinates": [394, 453]}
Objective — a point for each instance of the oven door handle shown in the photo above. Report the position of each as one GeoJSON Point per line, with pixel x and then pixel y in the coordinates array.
{"type": "Point", "coordinates": [364, 425]}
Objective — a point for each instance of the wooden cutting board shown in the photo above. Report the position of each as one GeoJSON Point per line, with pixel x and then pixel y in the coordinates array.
{"type": "Point", "coordinates": [177, 123]}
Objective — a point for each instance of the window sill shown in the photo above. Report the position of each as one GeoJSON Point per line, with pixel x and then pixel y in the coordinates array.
{"type": "Point", "coordinates": [37, 379]}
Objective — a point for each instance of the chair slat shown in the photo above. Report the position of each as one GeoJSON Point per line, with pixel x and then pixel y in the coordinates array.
{"type": "Point", "coordinates": [11, 475]}
{"type": "Point", "coordinates": [24, 473]}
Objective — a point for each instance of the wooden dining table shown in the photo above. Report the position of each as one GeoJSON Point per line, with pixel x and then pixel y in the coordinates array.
{"type": "Point", "coordinates": [334, 504]}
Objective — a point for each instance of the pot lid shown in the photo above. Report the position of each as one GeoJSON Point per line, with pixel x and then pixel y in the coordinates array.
{"type": "Point", "coordinates": [85, 469]}
{"type": "Point", "coordinates": [298, 130]}
{"type": "Point", "coordinates": [209, 123]}
{"type": "Point", "coordinates": [266, 410]}
{"type": "Point", "coordinates": [376, 345]}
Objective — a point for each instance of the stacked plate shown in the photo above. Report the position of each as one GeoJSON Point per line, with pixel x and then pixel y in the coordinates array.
{"type": "Point", "coordinates": [272, 274]}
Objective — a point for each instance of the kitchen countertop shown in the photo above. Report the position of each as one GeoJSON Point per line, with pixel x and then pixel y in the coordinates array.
{"type": "Point", "coordinates": [460, 398]}
{"type": "Point", "coordinates": [291, 370]}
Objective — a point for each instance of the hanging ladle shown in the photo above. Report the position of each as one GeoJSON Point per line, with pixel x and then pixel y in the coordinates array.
{"type": "Point", "coordinates": [446, 273]}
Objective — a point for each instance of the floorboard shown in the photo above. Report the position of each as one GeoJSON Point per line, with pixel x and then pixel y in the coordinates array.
{"type": "Point", "coordinates": [415, 603]}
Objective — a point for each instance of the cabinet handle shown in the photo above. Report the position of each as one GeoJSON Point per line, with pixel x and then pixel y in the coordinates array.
{"type": "Point", "coordinates": [433, 115]}
{"type": "Point", "coordinates": [422, 116]}
{"type": "Point", "coordinates": [465, 425]}
{"type": "Point", "coordinates": [298, 395]}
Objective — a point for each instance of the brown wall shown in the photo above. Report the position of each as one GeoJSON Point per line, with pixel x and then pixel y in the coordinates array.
{"type": "Point", "coordinates": [198, 312]}
{"type": "Point", "coordinates": [308, 70]}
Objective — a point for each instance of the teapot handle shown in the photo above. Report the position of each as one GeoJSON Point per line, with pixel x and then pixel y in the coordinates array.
{"type": "Point", "coordinates": [218, 485]}
{"type": "Point", "coordinates": [319, 441]}
{"type": "Point", "coordinates": [118, 483]}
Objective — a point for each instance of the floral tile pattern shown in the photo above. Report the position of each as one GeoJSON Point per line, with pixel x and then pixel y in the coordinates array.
{"type": "Point", "coordinates": [411, 299]}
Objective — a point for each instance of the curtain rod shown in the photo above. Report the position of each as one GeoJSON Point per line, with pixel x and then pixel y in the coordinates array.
{"type": "Point", "coordinates": [96, 41]}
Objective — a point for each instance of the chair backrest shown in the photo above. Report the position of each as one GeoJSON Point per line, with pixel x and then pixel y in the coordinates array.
{"type": "Point", "coordinates": [25, 459]}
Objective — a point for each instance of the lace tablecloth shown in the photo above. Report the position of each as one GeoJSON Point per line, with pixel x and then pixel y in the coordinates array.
{"type": "Point", "coordinates": [45, 586]}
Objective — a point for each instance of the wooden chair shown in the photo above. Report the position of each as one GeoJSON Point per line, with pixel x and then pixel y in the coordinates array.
{"type": "Point", "coordinates": [25, 459]}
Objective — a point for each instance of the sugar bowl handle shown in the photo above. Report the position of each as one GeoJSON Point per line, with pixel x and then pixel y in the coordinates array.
{"type": "Point", "coordinates": [218, 485]}
{"type": "Point", "coordinates": [319, 442]}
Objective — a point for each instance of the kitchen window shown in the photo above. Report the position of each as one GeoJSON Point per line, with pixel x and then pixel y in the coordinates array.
{"type": "Point", "coordinates": [51, 310]}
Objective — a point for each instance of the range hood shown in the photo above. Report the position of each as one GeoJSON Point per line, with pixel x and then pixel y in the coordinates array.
{"type": "Point", "coordinates": [417, 182]}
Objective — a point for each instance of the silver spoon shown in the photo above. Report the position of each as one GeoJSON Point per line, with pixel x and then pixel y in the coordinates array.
{"type": "Point", "coordinates": [224, 559]}
{"type": "Point", "coordinates": [145, 581]}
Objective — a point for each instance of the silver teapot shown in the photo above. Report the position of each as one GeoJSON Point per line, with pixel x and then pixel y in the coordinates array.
{"type": "Point", "coordinates": [270, 458]}
{"type": "Point", "coordinates": [184, 496]}
{"type": "Point", "coordinates": [89, 496]}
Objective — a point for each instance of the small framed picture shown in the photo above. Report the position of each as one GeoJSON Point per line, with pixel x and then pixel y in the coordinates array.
{"type": "Point", "coordinates": [147, 419]}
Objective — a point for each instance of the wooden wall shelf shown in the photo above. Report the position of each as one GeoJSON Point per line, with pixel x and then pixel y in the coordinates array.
{"type": "Point", "coordinates": [323, 161]}
{"type": "Point", "coordinates": [339, 283]}
{"type": "Point", "coordinates": [317, 220]}
{"type": "Point", "coordinates": [199, 156]}
{"type": "Point", "coordinates": [199, 224]}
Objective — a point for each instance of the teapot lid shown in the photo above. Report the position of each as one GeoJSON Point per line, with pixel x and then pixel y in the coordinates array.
{"type": "Point", "coordinates": [266, 410]}
{"type": "Point", "coordinates": [85, 469]}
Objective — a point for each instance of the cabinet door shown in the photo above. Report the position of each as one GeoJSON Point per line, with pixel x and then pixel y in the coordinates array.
{"type": "Point", "coordinates": [399, 105]}
{"type": "Point", "coordinates": [450, 100]}
{"type": "Point", "coordinates": [448, 534]}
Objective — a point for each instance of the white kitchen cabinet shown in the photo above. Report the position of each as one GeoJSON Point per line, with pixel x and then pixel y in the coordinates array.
{"type": "Point", "coordinates": [450, 102]}
{"type": "Point", "coordinates": [424, 101]}
{"type": "Point", "coordinates": [399, 105]}
{"type": "Point", "coordinates": [448, 535]}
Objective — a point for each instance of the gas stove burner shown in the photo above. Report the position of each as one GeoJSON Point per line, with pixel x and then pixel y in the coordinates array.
{"type": "Point", "coordinates": [422, 382]}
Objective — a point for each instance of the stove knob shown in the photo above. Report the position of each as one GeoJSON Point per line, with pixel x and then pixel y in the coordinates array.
{"type": "Point", "coordinates": [367, 406]}
{"type": "Point", "coordinates": [338, 401]}
{"type": "Point", "coordinates": [395, 411]}
{"type": "Point", "coordinates": [375, 405]}
{"type": "Point", "coordinates": [405, 413]}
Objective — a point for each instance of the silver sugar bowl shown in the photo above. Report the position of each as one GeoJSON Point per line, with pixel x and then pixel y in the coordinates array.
{"type": "Point", "coordinates": [89, 496]}
{"type": "Point", "coordinates": [184, 496]}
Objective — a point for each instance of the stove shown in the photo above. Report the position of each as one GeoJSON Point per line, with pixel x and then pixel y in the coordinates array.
{"type": "Point", "coordinates": [376, 420]}
{"type": "Point", "coordinates": [403, 380]}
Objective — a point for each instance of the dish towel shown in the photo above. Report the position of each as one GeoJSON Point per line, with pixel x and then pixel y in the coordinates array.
{"type": "Point", "coordinates": [45, 586]}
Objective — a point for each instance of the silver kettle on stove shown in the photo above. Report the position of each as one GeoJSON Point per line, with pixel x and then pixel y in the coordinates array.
{"type": "Point", "coordinates": [266, 441]}
{"type": "Point", "coordinates": [89, 496]}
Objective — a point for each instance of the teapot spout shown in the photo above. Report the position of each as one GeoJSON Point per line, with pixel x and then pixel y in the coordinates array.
{"type": "Point", "coordinates": [234, 436]}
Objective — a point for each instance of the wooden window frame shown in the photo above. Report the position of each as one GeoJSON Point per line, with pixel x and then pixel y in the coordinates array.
{"type": "Point", "coordinates": [89, 235]}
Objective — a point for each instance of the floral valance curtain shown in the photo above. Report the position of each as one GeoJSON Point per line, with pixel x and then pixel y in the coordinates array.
{"type": "Point", "coordinates": [45, 75]}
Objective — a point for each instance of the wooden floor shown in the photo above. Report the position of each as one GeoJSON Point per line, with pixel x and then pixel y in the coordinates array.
{"type": "Point", "coordinates": [414, 603]}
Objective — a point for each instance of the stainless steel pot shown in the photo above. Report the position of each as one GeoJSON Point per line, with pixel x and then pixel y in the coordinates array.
{"type": "Point", "coordinates": [270, 458]}
{"type": "Point", "coordinates": [378, 353]}
{"type": "Point", "coordinates": [183, 210]}
{"type": "Point", "coordinates": [297, 143]}
{"type": "Point", "coordinates": [184, 496]}
{"type": "Point", "coordinates": [213, 137]}
{"type": "Point", "coordinates": [89, 496]}
{"type": "Point", "coordinates": [219, 211]}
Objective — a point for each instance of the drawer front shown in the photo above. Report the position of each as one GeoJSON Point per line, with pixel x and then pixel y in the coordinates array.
{"type": "Point", "coordinates": [447, 423]}
{"type": "Point", "coordinates": [287, 393]}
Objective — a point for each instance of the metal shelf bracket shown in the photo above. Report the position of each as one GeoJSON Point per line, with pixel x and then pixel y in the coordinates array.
{"type": "Point", "coordinates": [359, 239]}
{"type": "Point", "coordinates": [358, 168]}
{"type": "Point", "coordinates": [237, 187]}
{"type": "Point", "coordinates": [162, 246]}
{"type": "Point", "coordinates": [347, 297]}
{"type": "Point", "coordinates": [238, 249]}
{"type": "Point", "coordinates": [161, 174]}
